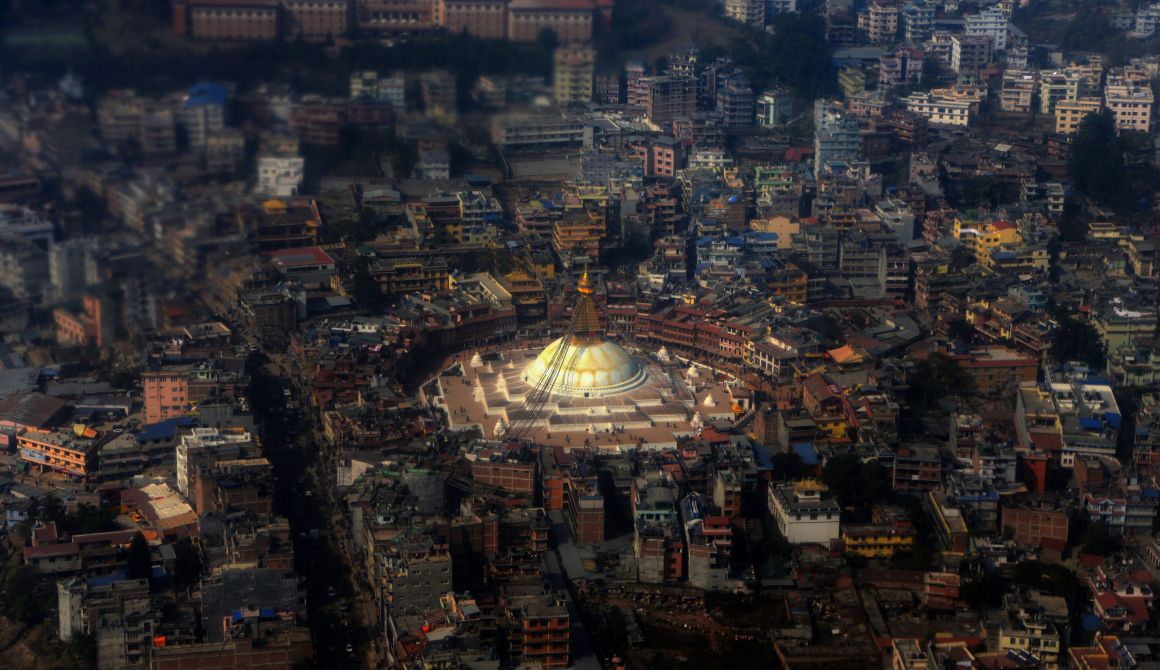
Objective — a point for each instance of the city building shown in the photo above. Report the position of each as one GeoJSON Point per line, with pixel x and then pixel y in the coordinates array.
{"type": "Point", "coordinates": [1131, 106]}
{"type": "Point", "coordinates": [572, 20]}
{"type": "Point", "coordinates": [1069, 114]}
{"type": "Point", "coordinates": [805, 512]}
{"type": "Point", "coordinates": [230, 20]}
{"type": "Point", "coordinates": [572, 75]}
{"type": "Point", "coordinates": [482, 18]}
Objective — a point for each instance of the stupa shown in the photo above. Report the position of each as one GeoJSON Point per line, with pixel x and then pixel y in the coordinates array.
{"type": "Point", "coordinates": [592, 391]}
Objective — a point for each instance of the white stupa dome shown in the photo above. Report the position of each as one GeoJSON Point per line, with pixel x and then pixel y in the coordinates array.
{"type": "Point", "coordinates": [594, 368]}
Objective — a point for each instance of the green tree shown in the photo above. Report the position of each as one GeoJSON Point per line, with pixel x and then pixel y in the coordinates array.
{"type": "Point", "coordinates": [187, 564]}
{"type": "Point", "coordinates": [1075, 340]}
{"type": "Point", "coordinates": [1050, 578]}
{"type": "Point", "coordinates": [21, 601]}
{"type": "Point", "coordinates": [1098, 540]}
{"type": "Point", "coordinates": [51, 509]}
{"type": "Point", "coordinates": [936, 377]}
{"type": "Point", "coordinates": [364, 288]}
{"type": "Point", "coordinates": [854, 482]}
{"type": "Point", "coordinates": [138, 560]}
{"type": "Point", "coordinates": [787, 466]}
{"type": "Point", "coordinates": [1097, 164]}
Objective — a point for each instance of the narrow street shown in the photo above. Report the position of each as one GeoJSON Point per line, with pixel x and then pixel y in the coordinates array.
{"type": "Point", "coordinates": [341, 616]}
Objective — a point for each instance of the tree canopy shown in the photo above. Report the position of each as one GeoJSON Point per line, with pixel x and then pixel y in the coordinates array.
{"type": "Point", "coordinates": [1097, 160]}
{"type": "Point", "coordinates": [138, 561]}
{"type": "Point", "coordinates": [1075, 340]}
{"type": "Point", "coordinates": [855, 483]}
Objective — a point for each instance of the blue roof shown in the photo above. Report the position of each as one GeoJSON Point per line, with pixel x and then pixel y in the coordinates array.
{"type": "Point", "coordinates": [1091, 622]}
{"type": "Point", "coordinates": [806, 452]}
{"type": "Point", "coordinates": [105, 580]}
{"type": "Point", "coordinates": [1150, 493]}
{"type": "Point", "coordinates": [1113, 419]}
{"type": "Point", "coordinates": [266, 612]}
{"type": "Point", "coordinates": [164, 430]}
{"type": "Point", "coordinates": [761, 456]}
{"type": "Point", "coordinates": [238, 615]}
{"type": "Point", "coordinates": [1090, 423]}
{"type": "Point", "coordinates": [206, 93]}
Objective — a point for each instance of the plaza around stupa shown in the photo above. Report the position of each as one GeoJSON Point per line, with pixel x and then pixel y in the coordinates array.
{"type": "Point", "coordinates": [583, 389]}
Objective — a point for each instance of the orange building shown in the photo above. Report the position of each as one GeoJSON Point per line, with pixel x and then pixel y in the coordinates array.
{"type": "Point", "coordinates": [482, 18]}
{"type": "Point", "coordinates": [571, 20]}
{"type": "Point", "coordinates": [93, 325]}
{"type": "Point", "coordinates": [316, 20]}
{"type": "Point", "coordinates": [72, 453]}
{"type": "Point", "coordinates": [173, 392]}
{"type": "Point", "coordinates": [234, 20]}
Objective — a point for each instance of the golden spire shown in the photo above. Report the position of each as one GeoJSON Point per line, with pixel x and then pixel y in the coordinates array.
{"type": "Point", "coordinates": [588, 326]}
{"type": "Point", "coordinates": [585, 284]}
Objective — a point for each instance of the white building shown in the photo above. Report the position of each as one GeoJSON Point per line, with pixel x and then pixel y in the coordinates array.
{"type": "Point", "coordinates": [774, 108]}
{"type": "Point", "coordinates": [991, 22]}
{"type": "Point", "coordinates": [1131, 105]}
{"type": "Point", "coordinates": [939, 110]}
{"type": "Point", "coordinates": [280, 177]}
{"type": "Point", "coordinates": [203, 112]}
{"type": "Point", "coordinates": [749, 12]}
{"type": "Point", "coordinates": [805, 512]}
{"type": "Point", "coordinates": [21, 221]}
{"type": "Point", "coordinates": [205, 440]}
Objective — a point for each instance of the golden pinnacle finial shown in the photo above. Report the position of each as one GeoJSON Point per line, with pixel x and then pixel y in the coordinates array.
{"type": "Point", "coordinates": [585, 284]}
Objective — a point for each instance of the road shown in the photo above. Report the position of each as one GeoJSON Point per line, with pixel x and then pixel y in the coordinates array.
{"type": "Point", "coordinates": [338, 611]}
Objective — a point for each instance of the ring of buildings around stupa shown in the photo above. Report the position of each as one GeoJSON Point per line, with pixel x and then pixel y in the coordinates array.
{"type": "Point", "coordinates": [598, 393]}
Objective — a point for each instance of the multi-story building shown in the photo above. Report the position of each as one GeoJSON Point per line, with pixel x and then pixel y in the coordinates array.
{"type": "Point", "coordinates": [909, 654]}
{"type": "Point", "coordinates": [991, 22]}
{"type": "Point", "coordinates": [571, 20]}
{"type": "Point", "coordinates": [572, 74]}
{"type": "Point", "coordinates": [541, 132]}
{"type": "Point", "coordinates": [1069, 114]}
{"type": "Point", "coordinates": [774, 108]}
{"type": "Point", "coordinates": [1017, 92]}
{"type": "Point", "coordinates": [940, 110]}
{"type": "Point", "coordinates": [670, 96]}
{"type": "Point", "coordinates": [538, 627]}
{"type": "Point", "coordinates": [1130, 105]}
{"type": "Point", "coordinates": [396, 16]}
{"type": "Point", "coordinates": [1056, 86]}
{"type": "Point", "coordinates": [877, 541]}
{"type": "Point", "coordinates": [882, 21]}
{"type": "Point", "coordinates": [281, 170]}
{"type": "Point", "coordinates": [735, 103]}
{"type": "Point", "coordinates": [805, 512]}
{"type": "Point", "coordinates": [969, 54]}
{"type": "Point", "coordinates": [203, 113]}
{"type": "Point", "coordinates": [1030, 632]}
{"type": "Point", "coordinates": [749, 12]}
{"type": "Point", "coordinates": [70, 452]}
{"type": "Point", "coordinates": [917, 468]}
{"type": "Point", "coordinates": [205, 445]}
{"type": "Point", "coordinates": [1034, 525]}
{"type": "Point", "coordinates": [901, 67]}
{"type": "Point", "coordinates": [172, 392]}
{"type": "Point", "coordinates": [24, 268]}
{"type": "Point", "coordinates": [837, 136]}
{"type": "Point", "coordinates": [230, 20]}
{"type": "Point", "coordinates": [482, 18]}
{"type": "Point", "coordinates": [917, 20]}
{"type": "Point", "coordinates": [316, 20]}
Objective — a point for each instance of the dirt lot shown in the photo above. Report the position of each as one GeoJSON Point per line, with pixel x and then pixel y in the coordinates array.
{"type": "Point", "coordinates": [688, 28]}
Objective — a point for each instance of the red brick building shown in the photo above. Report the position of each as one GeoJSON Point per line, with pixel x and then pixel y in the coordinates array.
{"type": "Point", "coordinates": [228, 20]}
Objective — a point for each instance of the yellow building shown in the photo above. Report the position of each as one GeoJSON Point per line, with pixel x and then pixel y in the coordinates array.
{"type": "Point", "coordinates": [1070, 113]}
{"type": "Point", "coordinates": [872, 541]}
{"type": "Point", "coordinates": [572, 75]}
{"type": "Point", "coordinates": [979, 237]}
